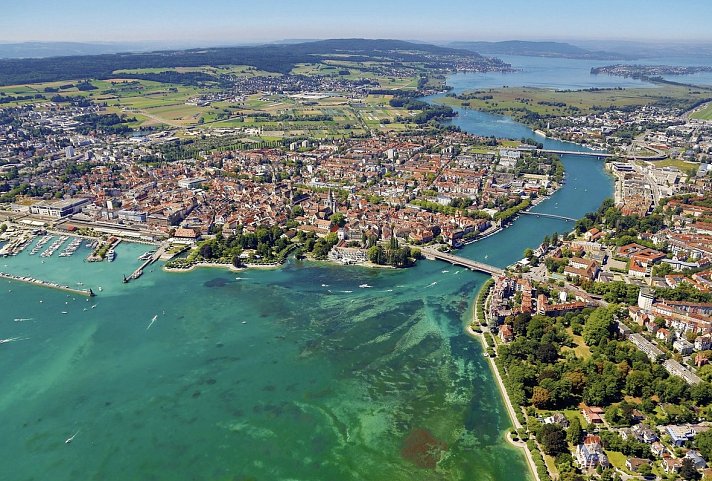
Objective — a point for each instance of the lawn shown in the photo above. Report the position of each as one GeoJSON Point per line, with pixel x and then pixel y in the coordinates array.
{"type": "Point", "coordinates": [617, 459]}
{"type": "Point", "coordinates": [581, 350]}
{"type": "Point", "coordinates": [705, 113]}
{"type": "Point", "coordinates": [684, 166]}
{"type": "Point", "coordinates": [575, 413]}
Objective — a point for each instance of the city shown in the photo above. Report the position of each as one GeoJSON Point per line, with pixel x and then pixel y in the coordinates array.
{"type": "Point", "coordinates": [347, 258]}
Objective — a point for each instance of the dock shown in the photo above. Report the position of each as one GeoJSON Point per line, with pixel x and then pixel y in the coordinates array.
{"type": "Point", "coordinates": [51, 285]}
{"type": "Point", "coordinates": [139, 272]}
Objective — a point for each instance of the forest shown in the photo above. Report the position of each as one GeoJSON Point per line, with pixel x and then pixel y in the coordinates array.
{"type": "Point", "coordinates": [280, 58]}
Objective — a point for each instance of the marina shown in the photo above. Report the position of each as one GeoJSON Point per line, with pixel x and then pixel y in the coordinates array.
{"type": "Point", "coordinates": [49, 252]}
{"type": "Point", "coordinates": [40, 244]}
{"type": "Point", "coordinates": [71, 248]}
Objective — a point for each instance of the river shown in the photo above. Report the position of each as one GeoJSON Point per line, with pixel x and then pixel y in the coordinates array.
{"type": "Point", "coordinates": [308, 372]}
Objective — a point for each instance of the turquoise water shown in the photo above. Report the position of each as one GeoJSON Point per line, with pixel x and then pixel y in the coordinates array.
{"type": "Point", "coordinates": [289, 374]}
{"type": "Point", "coordinates": [296, 373]}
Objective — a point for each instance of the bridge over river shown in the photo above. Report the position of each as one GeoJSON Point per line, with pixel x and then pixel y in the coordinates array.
{"type": "Point", "coordinates": [462, 261]}
{"type": "Point", "coordinates": [549, 216]}
{"type": "Point", "coordinates": [591, 153]}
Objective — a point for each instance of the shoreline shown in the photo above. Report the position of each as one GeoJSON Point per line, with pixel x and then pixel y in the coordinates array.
{"type": "Point", "coordinates": [217, 265]}
{"type": "Point", "coordinates": [503, 393]}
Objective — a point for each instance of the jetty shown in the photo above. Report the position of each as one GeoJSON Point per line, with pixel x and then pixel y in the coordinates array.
{"type": "Point", "coordinates": [154, 257]}
{"type": "Point", "coordinates": [462, 261]}
{"type": "Point", "coordinates": [51, 285]}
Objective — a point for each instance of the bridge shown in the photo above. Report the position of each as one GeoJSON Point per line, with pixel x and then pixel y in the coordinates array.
{"type": "Point", "coordinates": [600, 155]}
{"type": "Point", "coordinates": [589, 153]}
{"type": "Point", "coordinates": [461, 261]}
{"type": "Point", "coordinates": [549, 216]}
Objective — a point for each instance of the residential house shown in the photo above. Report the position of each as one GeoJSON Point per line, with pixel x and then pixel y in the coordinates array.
{"type": "Point", "coordinates": [592, 414]}
{"type": "Point", "coordinates": [505, 333]}
{"type": "Point", "coordinates": [696, 458]}
{"type": "Point", "coordinates": [634, 464]}
{"type": "Point", "coordinates": [680, 434]}
{"type": "Point", "coordinates": [589, 454]}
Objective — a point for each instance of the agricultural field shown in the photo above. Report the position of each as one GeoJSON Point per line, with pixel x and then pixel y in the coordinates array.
{"type": "Point", "coordinates": [551, 103]}
{"type": "Point", "coordinates": [148, 103]}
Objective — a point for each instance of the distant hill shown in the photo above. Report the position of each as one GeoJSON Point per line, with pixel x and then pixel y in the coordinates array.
{"type": "Point", "coordinates": [62, 49]}
{"type": "Point", "coordinates": [536, 49]}
{"type": "Point", "coordinates": [273, 58]}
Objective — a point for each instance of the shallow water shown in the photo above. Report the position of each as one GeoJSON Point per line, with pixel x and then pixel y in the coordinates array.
{"type": "Point", "coordinates": [271, 376]}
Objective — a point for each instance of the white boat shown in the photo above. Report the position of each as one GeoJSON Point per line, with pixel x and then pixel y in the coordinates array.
{"type": "Point", "coordinates": [111, 255]}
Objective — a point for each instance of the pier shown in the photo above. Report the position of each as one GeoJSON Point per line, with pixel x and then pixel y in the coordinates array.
{"type": "Point", "coordinates": [462, 261]}
{"type": "Point", "coordinates": [51, 285]}
{"type": "Point", "coordinates": [139, 272]}
{"type": "Point", "coordinates": [550, 216]}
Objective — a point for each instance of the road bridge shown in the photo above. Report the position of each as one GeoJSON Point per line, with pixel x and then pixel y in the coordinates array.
{"type": "Point", "coordinates": [600, 155]}
{"type": "Point", "coordinates": [462, 261]}
{"type": "Point", "coordinates": [589, 153]}
{"type": "Point", "coordinates": [550, 216]}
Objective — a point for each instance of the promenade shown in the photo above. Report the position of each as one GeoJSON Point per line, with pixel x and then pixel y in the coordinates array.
{"type": "Point", "coordinates": [502, 390]}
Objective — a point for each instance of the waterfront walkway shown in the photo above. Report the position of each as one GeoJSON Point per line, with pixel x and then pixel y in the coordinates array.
{"type": "Point", "coordinates": [549, 216]}
{"type": "Point", "coordinates": [461, 261]}
{"type": "Point", "coordinates": [503, 391]}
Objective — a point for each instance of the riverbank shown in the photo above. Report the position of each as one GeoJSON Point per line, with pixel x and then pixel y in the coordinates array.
{"type": "Point", "coordinates": [469, 330]}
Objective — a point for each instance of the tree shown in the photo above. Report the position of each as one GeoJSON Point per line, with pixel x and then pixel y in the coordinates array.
{"type": "Point", "coordinates": [645, 470]}
{"type": "Point", "coordinates": [338, 219]}
{"type": "Point", "coordinates": [540, 396]}
{"type": "Point", "coordinates": [688, 470]}
{"type": "Point", "coordinates": [703, 441]}
{"type": "Point", "coordinates": [552, 439]}
{"type": "Point", "coordinates": [575, 432]}
{"type": "Point", "coordinates": [599, 325]}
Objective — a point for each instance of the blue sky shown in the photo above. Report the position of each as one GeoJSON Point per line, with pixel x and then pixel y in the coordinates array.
{"type": "Point", "coordinates": [237, 21]}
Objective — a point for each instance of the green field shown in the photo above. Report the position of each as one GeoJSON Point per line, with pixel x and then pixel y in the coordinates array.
{"type": "Point", "coordinates": [684, 166]}
{"type": "Point", "coordinates": [705, 113]}
{"type": "Point", "coordinates": [520, 101]}
{"type": "Point", "coordinates": [153, 103]}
